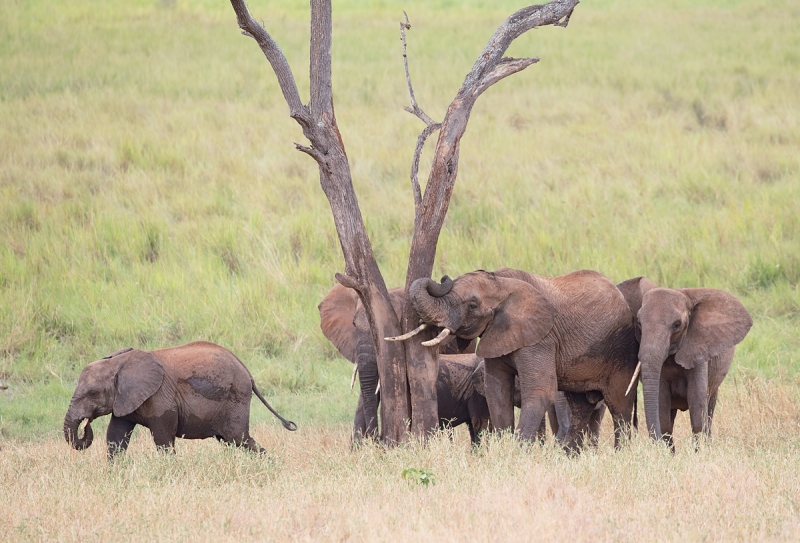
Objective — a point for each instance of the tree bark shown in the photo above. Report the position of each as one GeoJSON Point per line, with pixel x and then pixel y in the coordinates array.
{"type": "Point", "coordinates": [318, 122]}
{"type": "Point", "coordinates": [490, 68]}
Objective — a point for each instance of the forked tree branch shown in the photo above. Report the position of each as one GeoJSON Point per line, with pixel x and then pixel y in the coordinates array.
{"type": "Point", "coordinates": [414, 109]}
{"type": "Point", "coordinates": [431, 127]}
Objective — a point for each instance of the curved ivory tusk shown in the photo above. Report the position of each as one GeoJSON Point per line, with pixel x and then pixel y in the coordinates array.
{"type": "Point", "coordinates": [407, 335]}
{"type": "Point", "coordinates": [438, 339]}
{"type": "Point", "coordinates": [635, 375]}
{"type": "Point", "coordinates": [353, 379]}
{"type": "Point", "coordinates": [378, 388]}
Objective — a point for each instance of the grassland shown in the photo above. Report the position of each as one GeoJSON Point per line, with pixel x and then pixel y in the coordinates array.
{"type": "Point", "coordinates": [150, 195]}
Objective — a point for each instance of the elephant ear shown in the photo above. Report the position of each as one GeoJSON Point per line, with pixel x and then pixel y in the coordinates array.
{"type": "Point", "coordinates": [336, 315]}
{"type": "Point", "coordinates": [633, 291]}
{"type": "Point", "coordinates": [718, 322]}
{"type": "Point", "coordinates": [524, 318]}
{"type": "Point", "coordinates": [139, 376]}
{"type": "Point", "coordinates": [477, 378]}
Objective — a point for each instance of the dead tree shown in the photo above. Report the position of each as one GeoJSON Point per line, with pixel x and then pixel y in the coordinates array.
{"type": "Point", "coordinates": [407, 371]}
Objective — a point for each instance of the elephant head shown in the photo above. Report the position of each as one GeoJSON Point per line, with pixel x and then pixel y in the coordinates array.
{"type": "Point", "coordinates": [693, 324]}
{"type": "Point", "coordinates": [118, 384]}
{"type": "Point", "coordinates": [506, 313]}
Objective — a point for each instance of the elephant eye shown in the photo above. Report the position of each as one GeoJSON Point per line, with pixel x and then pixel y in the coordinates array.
{"type": "Point", "coordinates": [676, 325]}
{"type": "Point", "coordinates": [473, 306]}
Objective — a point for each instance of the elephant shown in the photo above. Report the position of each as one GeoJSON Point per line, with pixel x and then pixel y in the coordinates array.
{"type": "Point", "coordinates": [194, 391]}
{"type": "Point", "coordinates": [687, 339]}
{"type": "Point", "coordinates": [572, 333]}
{"type": "Point", "coordinates": [344, 323]}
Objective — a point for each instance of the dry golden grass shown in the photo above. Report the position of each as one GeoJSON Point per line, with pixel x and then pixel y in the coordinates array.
{"type": "Point", "coordinates": [745, 485]}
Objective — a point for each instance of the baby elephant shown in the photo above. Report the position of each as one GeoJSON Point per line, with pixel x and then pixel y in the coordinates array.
{"type": "Point", "coordinates": [194, 391]}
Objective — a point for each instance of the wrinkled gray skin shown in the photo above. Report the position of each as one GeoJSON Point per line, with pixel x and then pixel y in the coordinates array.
{"type": "Point", "coordinates": [686, 339]}
{"type": "Point", "coordinates": [195, 391]}
{"type": "Point", "coordinates": [572, 333]}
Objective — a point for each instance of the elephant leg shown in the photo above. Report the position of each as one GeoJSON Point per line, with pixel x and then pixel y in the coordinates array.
{"type": "Point", "coordinates": [712, 403]}
{"type": "Point", "coordinates": [250, 444]}
{"type": "Point", "coordinates": [541, 433]}
{"type": "Point", "coordinates": [478, 417]}
{"type": "Point", "coordinates": [118, 435]}
{"type": "Point", "coordinates": [664, 406]}
{"type": "Point", "coordinates": [621, 409]}
{"type": "Point", "coordinates": [552, 416]}
{"type": "Point", "coordinates": [163, 430]}
{"type": "Point", "coordinates": [538, 385]}
{"type": "Point", "coordinates": [562, 420]}
{"type": "Point", "coordinates": [581, 411]}
{"type": "Point", "coordinates": [697, 397]}
{"type": "Point", "coordinates": [359, 421]}
{"type": "Point", "coordinates": [595, 421]}
{"type": "Point", "coordinates": [499, 386]}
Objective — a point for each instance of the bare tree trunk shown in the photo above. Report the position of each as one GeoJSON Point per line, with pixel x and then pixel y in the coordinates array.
{"type": "Point", "coordinates": [402, 399]}
{"type": "Point", "coordinates": [318, 122]}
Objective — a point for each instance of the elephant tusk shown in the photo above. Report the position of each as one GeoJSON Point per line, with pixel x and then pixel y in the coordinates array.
{"type": "Point", "coordinates": [378, 388]}
{"type": "Point", "coordinates": [635, 375]}
{"type": "Point", "coordinates": [407, 335]}
{"type": "Point", "coordinates": [438, 339]}
{"type": "Point", "coordinates": [353, 379]}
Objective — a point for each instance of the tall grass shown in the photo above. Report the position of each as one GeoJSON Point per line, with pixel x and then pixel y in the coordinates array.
{"type": "Point", "coordinates": [311, 487]}
{"type": "Point", "coordinates": [150, 194]}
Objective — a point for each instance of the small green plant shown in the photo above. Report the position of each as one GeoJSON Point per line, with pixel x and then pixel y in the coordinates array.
{"type": "Point", "coordinates": [420, 476]}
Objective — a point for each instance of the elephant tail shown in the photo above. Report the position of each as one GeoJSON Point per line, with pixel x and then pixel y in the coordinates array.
{"type": "Point", "coordinates": [289, 425]}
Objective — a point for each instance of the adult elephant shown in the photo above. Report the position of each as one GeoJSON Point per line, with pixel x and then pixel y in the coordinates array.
{"type": "Point", "coordinates": [687, 339]}
{"type": "Point", "coordinates": [573, 333]}
{"type": "Point", "coordinates": [194, 391]}
{"type": "Point", "coordinates": [344, 323]}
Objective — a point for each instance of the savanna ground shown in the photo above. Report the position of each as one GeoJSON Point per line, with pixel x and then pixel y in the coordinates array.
{"type": "Point", "coordinates": [150, 195]}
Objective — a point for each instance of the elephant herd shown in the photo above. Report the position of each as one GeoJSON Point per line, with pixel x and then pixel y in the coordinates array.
{"type": "Point", "coordinates": [569, 346]}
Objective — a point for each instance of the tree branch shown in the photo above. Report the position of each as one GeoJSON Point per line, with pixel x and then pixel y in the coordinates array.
{"type": "Point", "coordinates": [506, 67]}
{"type": "Point", "coordinates": [277, 60]}
{"type": "Point", "coordinates": [430, 129]}
{"type": "Point", "coordinates": [414, 109]}
{"type": "Point", "coordinates": [320, 65]}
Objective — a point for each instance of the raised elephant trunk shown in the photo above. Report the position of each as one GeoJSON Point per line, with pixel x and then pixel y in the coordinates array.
{"type": "Point", "coordinates": [427, 296]}
{"type": "Point", "coordinates": [71, 433]}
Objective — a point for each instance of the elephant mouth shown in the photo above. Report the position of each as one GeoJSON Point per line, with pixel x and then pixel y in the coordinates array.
{"type": "Point", "coordinates": [73, 429]}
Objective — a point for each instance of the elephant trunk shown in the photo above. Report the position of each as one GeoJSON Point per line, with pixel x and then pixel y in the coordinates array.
{"type": "Point", "coordinates": [367, 364]}
{"type": "Point", "coordinates": [652, 354]}
{"type": "Point", "coordinates": [427, 296]}
{"type": "Point", "coordinates": [71, 425]}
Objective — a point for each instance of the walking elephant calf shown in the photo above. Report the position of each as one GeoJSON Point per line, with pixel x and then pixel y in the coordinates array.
{"type": "Point", "coordinates": [194, 391]}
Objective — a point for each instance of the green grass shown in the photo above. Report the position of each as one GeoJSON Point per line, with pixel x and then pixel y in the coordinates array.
{"type": "Point", "coordinates": [150, 194]}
